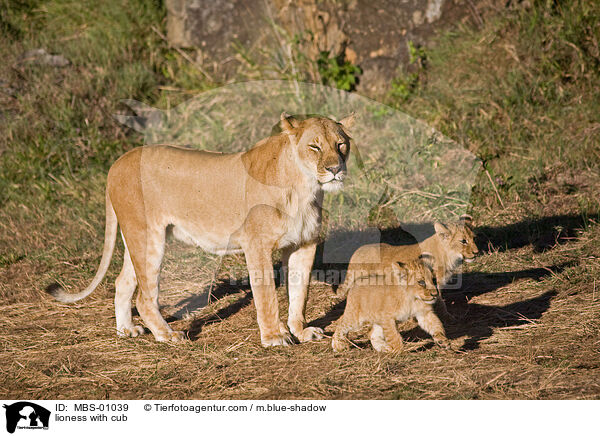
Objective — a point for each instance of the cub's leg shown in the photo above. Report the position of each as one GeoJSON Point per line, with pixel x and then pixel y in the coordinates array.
{"type": "Point", "coordinates": [146, 247]}
{"type": "Point", "coordinates": [298, 264]}
{"type": "Point", "coordinates": [442, 309]}
{"type": "Point", "coordinates": [378, 339]}
{"type": "Point", "coordinates": [429, 322]}
{"type": "Point", "coordinates": [124, 288]}
{"type": "Point", "coordinates": [392, 337]}
{"type": "Point", "coordinates": [340, 342]}
{"type": "Point", "coordinates": [343, 288]}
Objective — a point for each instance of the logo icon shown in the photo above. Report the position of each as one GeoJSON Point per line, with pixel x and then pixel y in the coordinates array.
{"type": "Point", "coordinates": [26, 415]}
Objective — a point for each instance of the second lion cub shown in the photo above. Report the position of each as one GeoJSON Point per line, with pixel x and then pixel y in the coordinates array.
{"type": "Point", "coordinates": [408, 292]}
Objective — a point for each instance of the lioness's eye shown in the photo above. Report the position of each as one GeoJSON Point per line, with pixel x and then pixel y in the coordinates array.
{"type": "Point", "coordinates": [315, 147]}
{"type": "Point", "coordinates": [464, 242]}
{"type": "Point", "coordinates": [421, 283]}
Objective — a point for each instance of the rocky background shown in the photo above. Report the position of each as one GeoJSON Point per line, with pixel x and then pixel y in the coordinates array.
{"type": "Point", "coordinates": [234, 37]}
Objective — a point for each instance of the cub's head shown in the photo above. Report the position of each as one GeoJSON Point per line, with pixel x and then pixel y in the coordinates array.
{"type": "Point", "coordinates": [322, 147]}
{"type": "Point", "coordinates": [457, 239]}
{"type": "Point", "coordinates": [417, 276]}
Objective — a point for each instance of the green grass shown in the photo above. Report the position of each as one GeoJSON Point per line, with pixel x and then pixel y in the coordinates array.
{"type": "Point", "coordinates": [522, 93]}
{"type": "Point", "coordinates": [58, 132]}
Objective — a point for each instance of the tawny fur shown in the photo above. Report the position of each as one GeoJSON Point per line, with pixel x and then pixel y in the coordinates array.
{"type": "Point", "coordinates": [450, 245]}
{"type": "Point", "coordinates": [254, 202]}
{"type": "Point", "coordinates": [407, 292]}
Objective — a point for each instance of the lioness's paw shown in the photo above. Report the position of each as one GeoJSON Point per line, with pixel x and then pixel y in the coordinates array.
{"type": "Point", "coordinates": [131, 332]}
{"type": "Point", "coordinates": [310, 334]}
{"type": "Point", "coordinates": [277, 339]}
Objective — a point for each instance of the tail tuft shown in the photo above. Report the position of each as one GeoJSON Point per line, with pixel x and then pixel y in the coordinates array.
{"type": "Point", "coordinates": [54, 289]}
{"type": "Point", "coordinates": [59, 294]}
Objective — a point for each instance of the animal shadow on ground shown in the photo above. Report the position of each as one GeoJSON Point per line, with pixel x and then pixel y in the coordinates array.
{"type": "Point", "coordinates": [480, 320]}
{"type": "Point", "coordinates": [220, 290]}
{"type": "Point", "coordinates": [543, 233]}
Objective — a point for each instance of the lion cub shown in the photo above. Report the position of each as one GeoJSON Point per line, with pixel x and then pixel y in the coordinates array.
{"type": "Point", "coordinates": [450, 245]}
{"type": "Point", "coordinates": [408, 292]}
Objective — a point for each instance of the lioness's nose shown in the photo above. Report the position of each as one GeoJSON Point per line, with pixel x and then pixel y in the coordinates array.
{"type": "Point", "coordinates": [334, 169]}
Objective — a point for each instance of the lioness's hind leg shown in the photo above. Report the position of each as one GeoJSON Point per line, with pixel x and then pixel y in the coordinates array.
{"type": "Point", "coordinates": [147, 256]}
{"type": "Point", "coordinates": [124, 288]}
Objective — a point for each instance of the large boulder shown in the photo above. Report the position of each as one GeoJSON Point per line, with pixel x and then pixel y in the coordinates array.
{"type": "Point", "coordinates": [232, 36]}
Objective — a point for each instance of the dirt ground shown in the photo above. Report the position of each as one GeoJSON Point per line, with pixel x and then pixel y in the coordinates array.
{"type": "Point", "coordinates": [527, 326]}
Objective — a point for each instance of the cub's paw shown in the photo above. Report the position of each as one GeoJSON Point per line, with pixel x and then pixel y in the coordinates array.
{"type": "Point", "coordinates": [172, 336]}
{"type": "Point", "coordinates": [178, 336]}
{"type": "Point", "coordinates": [381, 346]}
{"type": "Point", "coordinates": [442, 341]}
{"type": "Point", "coordinates": [275, 340]}
{"type": "Point", "coordinates": [339, 344]}
{"type": "Point", "coordinates": [131, 331]}
{"type": "Point", "coordinates": [310, 334]}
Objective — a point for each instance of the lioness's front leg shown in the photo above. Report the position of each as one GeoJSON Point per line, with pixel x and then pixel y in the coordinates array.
{"type": "Point", "coordinates": [262, 282]}
{"type": "Point", "coordinates": [298, 263]}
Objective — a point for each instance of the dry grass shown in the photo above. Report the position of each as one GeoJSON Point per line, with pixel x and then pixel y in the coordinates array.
{"type": "Point", "coordinates": [527, 329]}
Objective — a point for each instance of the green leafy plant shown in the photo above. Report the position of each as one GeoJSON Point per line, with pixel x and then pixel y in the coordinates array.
{"type": "Point", "coordinates": [338, 71]}
{"type": "Point", "coordinates": [404, 86]}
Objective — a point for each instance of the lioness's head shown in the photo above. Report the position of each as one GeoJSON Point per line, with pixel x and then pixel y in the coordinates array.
{"type": "Point", "coordinates": [417, 276]}
{"type": "Point", "coordinates": [322, 148]}
{"type": "Point", "coordinates": [458, 239]}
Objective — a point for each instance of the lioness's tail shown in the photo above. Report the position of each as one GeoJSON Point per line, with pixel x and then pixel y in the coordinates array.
{"type": "Point", "coordinates": [110, 237]}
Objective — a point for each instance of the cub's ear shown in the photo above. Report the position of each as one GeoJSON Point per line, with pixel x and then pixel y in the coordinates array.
{"type": "Point", "coordinates": [348, 122]}
{"type": "Point", "coordinates": [428, 260]}
{"type": "Point", "coordinates": [401, 269]}
{"type": "Point", "coordinates": [441, 229]}
{"type": "Point", "coordinates": [466, 220]}
{"type": "Point", "coordinates": [288, 122]}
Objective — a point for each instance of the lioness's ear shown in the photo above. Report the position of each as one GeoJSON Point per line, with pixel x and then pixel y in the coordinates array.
{"type": "Point", "coordinates": [428, 260]}
{"type": "Point", "coordinates": [441, 229]}
{"type": "Point", "coordinates": [288, 122]}
{"type": "Point", "coordinates": [348, 122]}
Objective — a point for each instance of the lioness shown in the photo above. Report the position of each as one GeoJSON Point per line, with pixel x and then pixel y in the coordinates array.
{"type": "Point", "coordinates": [407, 292]}
{"type": "Point", "coordinates": [450, 245]}
{"type": "Point", "coordinates": [257, 201]}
